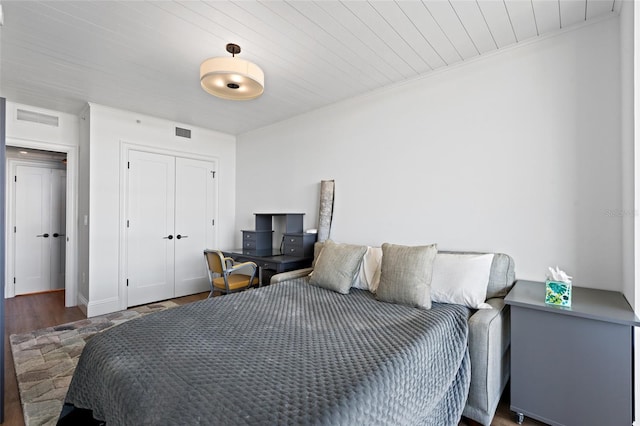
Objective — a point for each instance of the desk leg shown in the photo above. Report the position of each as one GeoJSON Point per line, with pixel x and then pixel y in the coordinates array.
{"type": "Point", "coordinates": [259, 276]}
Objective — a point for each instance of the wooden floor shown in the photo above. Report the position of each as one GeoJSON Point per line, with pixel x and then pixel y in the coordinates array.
{"type": "Point", "coordinates": [28, 313]}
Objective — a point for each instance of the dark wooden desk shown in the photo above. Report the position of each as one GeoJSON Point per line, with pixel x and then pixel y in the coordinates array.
{"type": "Point", "coordinates": [270, 262]}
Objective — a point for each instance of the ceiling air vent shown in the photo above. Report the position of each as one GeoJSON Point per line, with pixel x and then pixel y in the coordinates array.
{"type": "Point", "coordinates": [183, 133]}
{"type": "Point", "coordinates": [37, 117]}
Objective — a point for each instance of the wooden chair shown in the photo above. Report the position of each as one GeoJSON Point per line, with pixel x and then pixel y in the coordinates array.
{"type": "Point", "coordinates": [224, 276]}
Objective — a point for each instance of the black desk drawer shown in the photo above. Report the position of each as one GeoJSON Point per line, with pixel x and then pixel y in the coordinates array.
{"type": "Point", "coordinates": [256, 259]}
{"type": "Point", "coordinates": [294, 240]}
{"type": "Point", "coordinates": [267, 265]}
{"type": "Point", "coordinates": [293, 250]}
{"type": "Point", "coordinates": [299, 245]}
{"type": "Point", "coordinates": [260, 240]}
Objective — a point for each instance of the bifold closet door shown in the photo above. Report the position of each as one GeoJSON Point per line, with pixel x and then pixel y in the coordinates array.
{"type": "Point", "coordinates": [194, 224]}
{"type": "Point", "coordinates": [169, 223]}
{"type": "Point", "coordinates": [39, 223]}
{"type": "Point", "coordinates": [150, 227]}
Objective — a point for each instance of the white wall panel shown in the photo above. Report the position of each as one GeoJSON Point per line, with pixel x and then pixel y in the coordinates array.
{"type": "Point", "coordinates": [409, 34]}
{"type": "Point", "coordinates": [60, 54]}
{"type": "Point", "coordinates": [354, 35]}
{"type": "Point", "coordinates": [110, 127]}
{"type": "Point", "coordinates": [597, 8]}
{"type": "Point", "coordinates": [522, 17]}
{"type": "Point", "coordinates": [506, 154]}
{"type": "Point", "coordinates": [474, 22]}
{"type": "Point", "coordinates": [430, 29]}
{"type": "Point", "coordinates": [547, 15]}
{"type": "Point", "coordinates": [66, 133]}
{"type": "Point", "coordinates": [398, 51]}
{"type": "Point", "coordinates": [495, 13]}
{"type": "Point", "coordinates": [572, 12]}
{"type": "Point", "coordinates": [450, 23]}
{"type": "Point", "coordinates": [63, 138]}
{"type": "Point", "coordinates": [629, 155]}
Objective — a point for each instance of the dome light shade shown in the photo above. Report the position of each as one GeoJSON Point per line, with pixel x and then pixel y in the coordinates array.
{"type": "Point", "coordinates": [232, 78]}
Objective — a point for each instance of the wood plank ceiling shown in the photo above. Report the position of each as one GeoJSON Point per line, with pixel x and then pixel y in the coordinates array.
{"type": "Point", "coordinates": [145, 56]}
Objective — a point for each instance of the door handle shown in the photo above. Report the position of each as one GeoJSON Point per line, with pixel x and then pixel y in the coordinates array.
{"type": "Point", "coordinates": [56, 235]}
{"type": "Point", "coordinates": [181, 236]}
{"type": "Point", "coordinates": [43, 235]}
{"type": "Point", "coordinates": [169, 237]}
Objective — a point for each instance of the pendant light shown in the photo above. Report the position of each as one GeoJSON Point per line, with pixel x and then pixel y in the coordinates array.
{"type": "Point", "coordinates": [232, 78]}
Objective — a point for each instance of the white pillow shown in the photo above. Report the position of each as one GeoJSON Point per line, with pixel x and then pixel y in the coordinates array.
{"type": "Point", "coordinates": [461, 279]}
{"type": "Point", "coordinates": [369, 274]}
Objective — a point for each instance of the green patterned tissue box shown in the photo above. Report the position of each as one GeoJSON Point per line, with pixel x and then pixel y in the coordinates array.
{"type": "Point", "coordinates": [558, 293]}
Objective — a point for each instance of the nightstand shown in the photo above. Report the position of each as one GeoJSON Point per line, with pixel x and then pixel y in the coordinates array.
{"type": "Point", "coordinates": [571, 365]}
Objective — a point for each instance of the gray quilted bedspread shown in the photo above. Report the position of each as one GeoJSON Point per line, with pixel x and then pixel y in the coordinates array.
{"type": "Point", "coordinates": [290, 353]}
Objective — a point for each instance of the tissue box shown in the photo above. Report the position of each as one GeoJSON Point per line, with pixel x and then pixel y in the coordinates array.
{"type": "Point", "coordinates": [558, 293]}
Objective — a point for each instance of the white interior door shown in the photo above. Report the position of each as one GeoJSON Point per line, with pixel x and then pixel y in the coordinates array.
{"type": "Point", "coordinates": [150, 231]}
{"type": "Point", "coordinates": [58, 227]}
{"type": "Point", "coordinates": [32, 229]}
{"type": "Point", "coordinates": [194, 225]}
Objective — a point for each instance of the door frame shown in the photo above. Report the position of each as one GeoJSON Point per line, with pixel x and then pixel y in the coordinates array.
{"type": "Point", "coordinates": [70, 279]}
{"type": "Point", "coordinates": [125, 147]}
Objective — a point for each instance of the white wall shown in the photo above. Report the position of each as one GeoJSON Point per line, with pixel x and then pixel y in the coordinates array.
{"type": "Point", "coordinates": [108, 129]}
{"type": "Point", "coordinates": [630, 77]}
{"type": "Point", "coordinates": [63, 138]}
{"type": "Point", "coordinates": [518, 153]}
{"type": "Point", "coordinates": [65, 134]}
{"type": "Point", "coordinates": [628, 151]}
{"type": "Point", "coordinates": [84, 178]}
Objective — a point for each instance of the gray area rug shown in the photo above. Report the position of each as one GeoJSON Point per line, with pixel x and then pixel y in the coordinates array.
{"type": "Point", "coordinates": [45, 360]}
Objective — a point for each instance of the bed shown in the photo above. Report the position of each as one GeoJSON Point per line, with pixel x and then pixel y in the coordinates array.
{"type": "Point", "coordinates": [293, 353]}
{"type": "Point", "coordinates": [290, 353]}
{"type": "Point", "coordinates": [489, 332]}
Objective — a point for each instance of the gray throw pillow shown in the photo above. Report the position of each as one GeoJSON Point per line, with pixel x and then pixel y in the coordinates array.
{"type": "Point", "coordinates": [337, 266]}
{"type": "Point", "coordinates": [405, 275]}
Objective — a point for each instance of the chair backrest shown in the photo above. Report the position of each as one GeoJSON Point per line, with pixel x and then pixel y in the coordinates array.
{"type": "Point", "coordinates": [215, 260]}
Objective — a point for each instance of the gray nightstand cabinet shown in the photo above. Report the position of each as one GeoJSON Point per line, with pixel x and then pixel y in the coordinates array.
{"type": "Point", "coordinates": [571, 366]}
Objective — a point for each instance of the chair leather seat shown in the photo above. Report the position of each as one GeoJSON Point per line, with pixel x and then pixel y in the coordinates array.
{"type": "Point", "coordinates": [236, 281]}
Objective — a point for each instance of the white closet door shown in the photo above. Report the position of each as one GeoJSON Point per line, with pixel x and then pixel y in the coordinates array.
{"type": "Point", "coordinates": [58, 225]}
{"type": "Point", "coordinates": [150, 231]}
{"type": "Point", "coordinates": [32, 232]}
{"type": "Point", "coordinates": [194, 224]}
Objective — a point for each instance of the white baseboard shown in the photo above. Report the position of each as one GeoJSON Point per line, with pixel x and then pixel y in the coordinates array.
{"type": "Point", "coordinates": [82, 303]}
{"type": "Point", "coordinates": [104, 306]}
